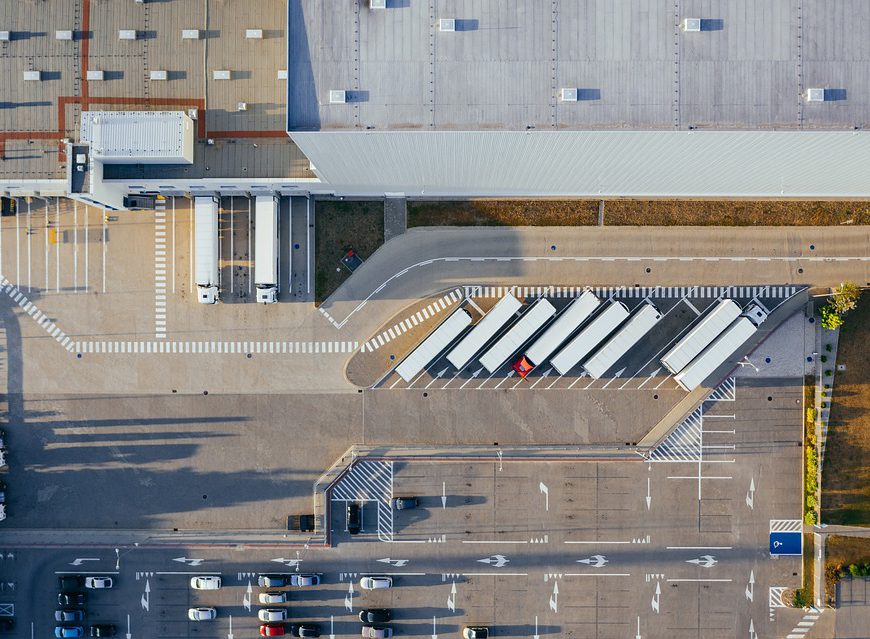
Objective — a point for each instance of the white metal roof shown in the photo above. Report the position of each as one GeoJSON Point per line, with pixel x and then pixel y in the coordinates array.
{"type": "Point", "coordinates": [630, 334]}
{"type": "Point", "coordinates": [716, 354]}
{"type": "Point", "coordinates": [593, 163]}
{"type": "Point", "coordinates": [509, 343]}
{"type": "Point", "coordinates": [701, 335]}
{"type": "Point", "coordinates": [138, 136]}
{"type": "Point", "coordinates": [498, 316]}
{"type": "Point", "coordinates": [440, 338]}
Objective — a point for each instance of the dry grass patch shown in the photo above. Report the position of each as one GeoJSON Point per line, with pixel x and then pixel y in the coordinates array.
{"type": "Point", "coordinates": [504, 213]}
{"type": "Point", "coordinates": [846, 470]}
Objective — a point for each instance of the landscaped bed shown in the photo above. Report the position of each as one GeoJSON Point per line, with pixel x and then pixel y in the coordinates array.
{"type": "Point", "coordinates": [845, 556]}
{"type": "Point", "coordinates": [636, 213]}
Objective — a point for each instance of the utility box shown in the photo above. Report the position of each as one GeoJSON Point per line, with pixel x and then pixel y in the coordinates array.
{"type": "Point", "coordinates": [222, 74]}
{"type": "Point", "coordinates": [242, 106]}
{"type": "Point", "coordinates": [815, 95]}
{"type": "Point", "coordinates": [447, 24]}
{"type": "Point", "coordinates": [63, 35]}
{"type": "Point", "coordinates": [32, 76]}
{"type": "Point", "coordinates": [254, 34]}
{"type": "Point", "coordinates": [190, 34]}
{"type": "Point", "coordinates": [5, 36]}
{"type": "Point", "coordinates": [95, 75]}
{"type": "Point", "coordinates": [158, 74]}
{"type": "Point", "coordinates": [569, 94]}
{"type": "Point", "coordinates": [691, 24]}
{"type": "Point", "coordinates": [377, 4]}
{"type": "Point", "coordinates": [282, 74]}
{"type": "Point", "coordinates": [127, 34]}
{"type": "Point", "coordinates": [337, 96]}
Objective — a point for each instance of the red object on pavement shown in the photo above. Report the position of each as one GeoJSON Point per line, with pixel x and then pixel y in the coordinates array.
{"type": "Point", "coordinates": [523, 366]}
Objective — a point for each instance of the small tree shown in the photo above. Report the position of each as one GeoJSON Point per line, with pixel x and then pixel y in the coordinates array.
{"type": "Point", "coordinates": [845, 297]}
{"type": "Point", "coordinates": [831, 320]}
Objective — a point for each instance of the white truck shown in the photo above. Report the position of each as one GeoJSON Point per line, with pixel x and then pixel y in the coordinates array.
{"type": "Point", "coordinates": [723, 347]}
{"type": "Point", "coordinates": [570, 320]}
{"type": "Point", "coordinates": [640, 323]}
{"type": "Point", "coordinates": [590, 337]}
{"type": "Point", "coordinates": [509, 343]}
{"type": "Point", "coordinates": [266, 249]}
{"type": "Point", "coordinates": [435, 343]}
{"type": "Point", "coordinates": [485, 330]}
{"type": "Point", "coordinates": [701, 336]}
{"type": "Point", "coordinates": [205, 211]}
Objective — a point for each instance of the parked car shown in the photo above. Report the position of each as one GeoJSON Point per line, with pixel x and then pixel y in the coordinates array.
{"type": "Point", "coordinates": [475, 632]}
{"type": "Point", "coordinates": [405, 503]}
{"type": "Point", "coordinates": [201, 614]}
{"type": "Point", "coordinates": [375, 615]}
{"type": "Point", "coordinates": [373, 582]}
{"type": "Point", "coordinates": [273, 597]}
{"type": "Point", "coordinates": [70, 583]}
{"type": "Point", "coordinates": [2, 438]}
{"type": "Point", "coordinates": [69, 631]}
{"type": "Point", "coordinates": [66, 615]}
{"type": "Point", "coordinates": [98, 583]}
{"type": "Point", "coordinates": [306, 630]}
{"type": "Point", "coordinates": [7, 623]}
{"type": "Point", "coordinates": [272, 630]}
{"type": "Point", "coordinates": [205, 582]}
{"type": "Point", "coordinates": [272, 614]}
{"type": "Point", "coordinates": [2, 492]}
{"type": "Point", "coordinates": [103, 630]}
{"type": "Point", "coordinates": [271, 581]}
{"type": "Point", "coordinates": [303, 580]}
{"type": "Point", "coordinates": [378, 632]}
{"type": "Point", "coordinates": [354, 518]}
{"type": "Point", "coordinates": [3, 462]}
{"type": "Point", "coordinates": [71, 598]}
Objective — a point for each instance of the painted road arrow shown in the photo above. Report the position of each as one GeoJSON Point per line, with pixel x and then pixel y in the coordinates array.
{"type": "Point", "coordinates": [189, 562]}
{"type": "Point", "coordinates": [497, 561]}
{"type": "Point", "coordinates": [554, 600]}
{"type": "Point", "coordinates": [331, 627]}
{"type": "Point", "coordinates": [648, 496]}
{"type": "Point", "coordinates": [246, 600]}
{"type": "Point", "coordinates": [443, 495]}
{"type": "Point", "coordinates": [750, 589]}
{"type": "Point", "coordinates": [129, 634]}
{"type": "Point", "coordinates": [536, 635]}
{"type": "Point", "coordinates": [750, 496]}
{"type": "Point", "coordinates": [398, 563]}
{"type": "Point", "coordinates": [348, 599]}
{"type": "Point", "coordinates": [78, 561]}
{"type": "Point", "coordinates": [287, 562]}
{"type": "Point", "coordinates": [451, 600]}
{"type": "Point", "coordinates": [434, 631]}
{"type": "Point", "coordinates": [596, 561]}
{"type": "Point", "coordinates": [146, 597]}
{"type": "Point", "coordinates": [656, 598]}
{"type": "Point", "coordinates": [705, 561]}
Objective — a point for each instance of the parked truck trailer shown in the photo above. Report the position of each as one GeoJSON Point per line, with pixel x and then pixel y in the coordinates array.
{"type": "Point", "coordinates": [434, 344]}
{"type": "Point", "coordinates": [485, 330]}
{"type": "Point", "coordinates": [206, 246]}
{"type": "Point", "coordinates": [701, 336]}
{"type": "Point", "coordinates": [640, 323]}
{"type": "Point", "coordinates": [521, 332]}
{"type": "Point", "coordinates": [266, 249]}
{"type": "Point", "coordinates": [591, 336]}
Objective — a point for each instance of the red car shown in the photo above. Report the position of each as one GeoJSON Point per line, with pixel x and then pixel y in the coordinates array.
{"type": "Point", "coordinates": [523, 367]}
{"type": "Point", "coordinates": [272, 630]}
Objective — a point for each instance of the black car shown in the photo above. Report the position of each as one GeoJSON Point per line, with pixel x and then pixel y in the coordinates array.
{"type": "Point", "coordinates": [70, 583]}
{"type": "Point", "coordinates": [7, 623]}
{"type": "Point", "coordinates": [305, 630]}
{"type": "Point", "coordinates": [71, 598]}
{"type": "Point", "coordinates": [354, 518]}
{"type": "Point", "coordinates": [374, 615]}
{"type": "Point", "coordinates": [405, 503]}
{"type": "Point", "coordinates": [103, 630]}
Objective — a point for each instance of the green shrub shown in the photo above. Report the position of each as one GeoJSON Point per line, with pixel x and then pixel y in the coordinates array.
{"type": "Point", "coordinates": [824, 358]}
{"type": "Point", "coordinates": [828, 372]}
{"type": "Point", "coordinates": [801, 599]}
{"type": "Point", "coordinates": [829, 347]}
{"type": "Point", "coordinates": [830, 318]}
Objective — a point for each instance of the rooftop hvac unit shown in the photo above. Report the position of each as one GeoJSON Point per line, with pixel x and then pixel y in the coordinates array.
{"type": "Point", "coordinates": [337, 96]}
{"type": "Point", "coordinates": [190, 34]}
{"type": "Point", "coordinates": [691, 24]}
{"type": "Point", "coordinates": [127, 34]}
{"type": "Point", "coordinates": [569, 94]}
{"type": "Point", "coordinates": [242, 106]}
{"type": "Point", "coordinates": [815, 95]}
{"type": "Point", "coordinates": [158, 74]}
{"type": "Point", "coordinates": [95, 75]}
{"type": "Point", "coordinates": [447, 24]}
{"type": "Point", "coordinates": [377, 4]}
{"type": "Point", "coordinates": [63, 35]}
{"type": "Point", "coordinates": [4, 36]}
{"type": "Point", "coordinates": [282, 74]}
{"type": "Point", "coordinates": [221, 74]}
{"type": "Point", "coordinates": [254, 34]}
{"type": "Point", "coordinates": [32, 76]}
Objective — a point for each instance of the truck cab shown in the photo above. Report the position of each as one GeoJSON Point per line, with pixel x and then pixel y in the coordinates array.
{"type": "Point", "coordinates": [267, 294]}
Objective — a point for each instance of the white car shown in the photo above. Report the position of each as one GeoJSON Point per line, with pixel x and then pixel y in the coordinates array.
{"type": "Point", "coordinates": [375, 582]}
{"type": "Point", "coordinates": [272, 614]}
{"type": "Point", "coordinates": [273, 597]}
{"type": "Point", "coordinates": [206, 582]}
{"type": "Point", "coordinates": [98, 583]}
{"type": "Point", "coordinates": [201, 614]}
{"type": "Point", "coordinates": [303, 580]}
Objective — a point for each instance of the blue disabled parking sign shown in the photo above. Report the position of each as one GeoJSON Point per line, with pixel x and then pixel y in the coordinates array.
{"type": "Point", "coordinates": [786, 543]}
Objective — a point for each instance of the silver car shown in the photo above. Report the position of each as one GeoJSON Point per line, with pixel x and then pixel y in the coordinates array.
{"type": "Point", "coordinates": [98, 583]}
{"type": "Point", "coordinates": [206, 582]}
{"type": "Point", "coordinates": [303, 580]}
{"type": "Point", "coordinates": [378, 632]}
{"type": "Point", "coordinates": [273, 597]}
{"type": "Point", "coordinates": [268, 615]}
{"type": "Point", "coordinates": [374, 582]}
{"type": "Point", "coordinates": [201, 614]}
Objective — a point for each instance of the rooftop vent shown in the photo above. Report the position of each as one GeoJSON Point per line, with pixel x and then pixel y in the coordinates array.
{"type": "Point", "coordinates": [127, 34]}
{"type": "Point", "coordinates": [569, 94]}
{"type": "Point", "coordinates": [222, 74]}
{"type": "Point", "coordinates": [32, 76]}
{"type": "Point", "coordinates": [95, 75]}
{"type": "Point", "coordinates": [282, 74]}
{"type": "Point", "coordinates": [63, 35]}
{"type": "Point", "coordinates": [691, 24]}
{"type": "Point", "coordinates": [4, 36]}
{"type": "Point", "coordinates": [447, 24]}
{"type": "Point", "coordinates": [158, 74]}
{"type": "Point", "coordinates": [337, 96]}
{"type": "Point", "coordinates": [242, 106]}
{"type": "Point", "coordinates": [815, 95]}
{"type": "Point", "coordinates": [254, 34]}
{"type": "Point", "coordinates": [190, 34]}
{"type": "Point", "coordinates": [377, 4]}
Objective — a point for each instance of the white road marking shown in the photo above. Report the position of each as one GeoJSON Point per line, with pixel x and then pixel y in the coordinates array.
{"type": "Point", "coordinates": [105, 248]}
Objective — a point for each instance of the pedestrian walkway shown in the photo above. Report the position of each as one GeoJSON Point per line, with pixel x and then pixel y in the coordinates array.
{"type": "Point", "coordinates": [395, 217]}
{"type": "Point", "coordinates": [199, 347]}
{"type": "Point", "coordinates": [38, 316]}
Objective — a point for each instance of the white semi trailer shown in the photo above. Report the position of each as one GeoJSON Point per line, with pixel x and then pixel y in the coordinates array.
{"type": "Point", "coordinates": [590, 337]}
{"type": "Point", "coordinates": [205, 211]}
{"type": "Point", "coordinates": [723, 347]}
{"type": "Point", "coordinates": [569, 321]}
{"type": "Point", "coordinates": [485, 330]}
{"type": "Point", "coordinates": [266, 249]}
{"type": "Point", "coordinates": [434, 344]}
{"type": "Point", "coordinates": [509, 343]}
{"type": "Point", "coordinates": [701, 336]}
{"type": "Point", "coordinates": [640, 323]}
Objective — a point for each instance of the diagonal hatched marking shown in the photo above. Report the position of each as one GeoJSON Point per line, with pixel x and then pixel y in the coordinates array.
{"type": "Point", "coordinates": [682, 445]}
